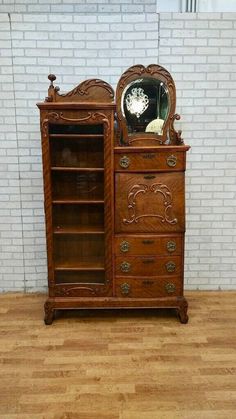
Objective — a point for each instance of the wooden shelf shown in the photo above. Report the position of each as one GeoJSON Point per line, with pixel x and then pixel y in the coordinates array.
{"type": "Point", "coordinates": [75, 136]}
{"type": "Point", "coordinates": [76, 169]}
{"type": "Point", "coordinates": [75, 229]}
{"type": "Point", "coordinates": [77, 201]}
{"type": "Point", "coordinates": [87, 265]}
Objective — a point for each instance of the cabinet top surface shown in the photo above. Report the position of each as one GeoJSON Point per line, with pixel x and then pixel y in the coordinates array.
{"type": "Point", "coordinates": [73, 105]}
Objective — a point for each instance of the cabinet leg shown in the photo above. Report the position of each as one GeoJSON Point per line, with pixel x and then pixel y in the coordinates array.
{"type": "Point", "coordinates": [49, 313]}
{"type": "Point", "coordinates": [182, 310]}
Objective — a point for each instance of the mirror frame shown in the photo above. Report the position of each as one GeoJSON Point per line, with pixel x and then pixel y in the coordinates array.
{"type": "Point", "coordinates": [158, 73]}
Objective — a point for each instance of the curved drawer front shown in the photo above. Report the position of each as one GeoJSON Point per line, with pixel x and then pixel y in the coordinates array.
{"type": "Point", "coordinates": [148, 266]}
{"type": "Point", "coordinates": [149, 287]}
{"type": "Point", "coordinates": [158, 161]}
{"type": "Point", "coordinates": [148, 245]}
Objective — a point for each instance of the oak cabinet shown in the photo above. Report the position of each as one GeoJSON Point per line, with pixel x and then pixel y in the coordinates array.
{"type": "Point", "coordinates": [114, 194]}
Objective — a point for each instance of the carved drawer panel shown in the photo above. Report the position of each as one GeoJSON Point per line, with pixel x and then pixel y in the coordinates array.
{"type": "Point", "coordinates": [152, 202]}
{"type": "Point", "coordinates": [148, 265]}
{"type": "Point", "coordinates": [148, 287]}
{"type": "Point", "coordinates": [158, 161]}
{"type": "Point", "coordinates": [148, 245]}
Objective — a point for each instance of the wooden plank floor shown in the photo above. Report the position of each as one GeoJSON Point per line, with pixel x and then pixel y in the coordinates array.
{"type": "Point", "coordinates": [118, 365]}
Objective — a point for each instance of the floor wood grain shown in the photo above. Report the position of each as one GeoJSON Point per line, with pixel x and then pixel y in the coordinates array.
{"type": "Point", "coordinates": [118, 364]}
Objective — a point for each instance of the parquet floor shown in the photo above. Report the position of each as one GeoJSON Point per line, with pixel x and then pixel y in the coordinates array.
{"type": "Point", "coordinates": [118, 365]}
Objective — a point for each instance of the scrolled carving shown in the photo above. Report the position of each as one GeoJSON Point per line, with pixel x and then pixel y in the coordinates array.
{"type": "Point", "coordinates": [144, 189]}
{"type": "Point", "coordinates": [158, 73]}
{"type": "Point", "coordinates": [90, 117]}
{"type": "Point", "coordinates": [73, 291]}
{"type": "Point", "coordinates": [175, 136]}
{"type": "Point", "coordinates": [85, 91]}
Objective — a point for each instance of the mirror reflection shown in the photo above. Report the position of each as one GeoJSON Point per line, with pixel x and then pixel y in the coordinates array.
{"type": "Point", "coordinates": [145, 105]}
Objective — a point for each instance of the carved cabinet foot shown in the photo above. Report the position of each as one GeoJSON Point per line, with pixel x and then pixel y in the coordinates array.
{"type": "Point", "coordinates": [49, 313]}
{"type": "Point", "coordinates": [182, 311]}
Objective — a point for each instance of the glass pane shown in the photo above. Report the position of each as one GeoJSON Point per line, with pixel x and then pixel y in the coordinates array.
{"type": "Point", "coordinates": [77, 176]}
{"type": "Point", "coordinates": [82, 152]}
{"type": "Point", "coordinates": [78, 218]}
{"type": "Point", "coordinates": [78, 186]}
{"type": "Point", "coordinates": [88, 277]}
{"type": "Point", "coordinates": [81, 251]}
{"type": "Point", "coordinates": [145, 105]}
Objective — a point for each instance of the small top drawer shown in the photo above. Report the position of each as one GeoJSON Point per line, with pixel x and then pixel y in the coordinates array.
{"type": "Point", "coordinates": [148, 245]}
{"type": "Point", "coordinates": [158, 161]}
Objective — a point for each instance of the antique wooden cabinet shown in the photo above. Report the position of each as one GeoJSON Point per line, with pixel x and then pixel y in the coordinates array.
{"type": "Point", "coordinates": [114, 194]}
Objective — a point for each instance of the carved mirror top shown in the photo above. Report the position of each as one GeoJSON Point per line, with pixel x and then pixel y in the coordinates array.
{"type": "Point", "coordinates": [146, 100]}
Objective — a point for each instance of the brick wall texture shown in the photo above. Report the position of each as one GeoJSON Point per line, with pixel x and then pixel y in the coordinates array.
{"type": "Point", "coordinates": [199, 51]}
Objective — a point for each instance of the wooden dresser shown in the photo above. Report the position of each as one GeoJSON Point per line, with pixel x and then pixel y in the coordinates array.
{"type": "Point", "coordinates": [114, 194]}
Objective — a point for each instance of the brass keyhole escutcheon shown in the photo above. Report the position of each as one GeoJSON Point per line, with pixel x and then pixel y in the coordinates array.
{"type": "Point", "coordinates": [170, 288]}
{"type": "Point", "coordinates": [124, 162]}
{"type": "Point", "coordinates": [171, 160]}
{"type": "Point", "coordinates": [171, 246]}
{"type": "Point", "coordinates": [170, 266]}
{"type": "Point", "coordinates": [125, 266]}
{"type": "Point", "coordinates": [125, 288]}
{"type": "Point", "coordinates": [124, 246]}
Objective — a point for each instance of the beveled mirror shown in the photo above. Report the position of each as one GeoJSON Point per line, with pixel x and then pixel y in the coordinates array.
{"type": "Point", "coordinates": [146, 100]}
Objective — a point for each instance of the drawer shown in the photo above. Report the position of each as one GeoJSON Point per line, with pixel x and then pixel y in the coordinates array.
{"type": "Point", "coordinates": [149, 288]}
{"type": "Point", "coordinates": [148, 265]}
{"type": "Point", "coordinates": [149, 203]}
{"type": "Point", "coordinates": [158, 161]}
{"type": "Point", "coordinates": [148, 245]}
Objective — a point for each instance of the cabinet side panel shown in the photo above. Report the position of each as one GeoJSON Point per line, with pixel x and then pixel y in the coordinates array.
{"type": "Point", "coordinates": [47, 198]}
{"type": "Point", "coordinates": [109, 201]}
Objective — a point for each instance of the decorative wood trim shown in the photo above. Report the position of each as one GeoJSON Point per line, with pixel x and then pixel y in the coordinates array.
{"type": "Point", "coordinates": [88, 90]}
{"type": "Point", "coordinates": [143, 189]}
{"type": "Point", "coordinates": [158, 73]}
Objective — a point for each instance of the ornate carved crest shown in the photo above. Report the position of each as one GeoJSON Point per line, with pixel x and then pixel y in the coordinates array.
{"type": "Point", "coordinates": [87, 91]}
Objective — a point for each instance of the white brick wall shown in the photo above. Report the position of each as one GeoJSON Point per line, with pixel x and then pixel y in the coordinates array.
{"type": "Point", "coordinates": [199, 50]}
{"type": "Point", "coordinates": [11, 243]}
{"type": "Point", "coordinates": [78, 6]}
{"type": "Point", "coordinates": [74, 49]}
{"type": "Point", "coordinates": [202, 61]}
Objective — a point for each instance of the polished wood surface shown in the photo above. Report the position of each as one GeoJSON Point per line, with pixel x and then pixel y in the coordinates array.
{"type": "Point", "coordinates": [149, 265]}
{"type": "Point", "coordinates": [156, 160]}
{"type": "Point", "coordinates": [81, 166]}
{"type": "Point", "coordinates": [140, 364]}
{"type": "Point", "coordinates": [149, 203]}
{"type": "Point", "coordinates": [140, 244]}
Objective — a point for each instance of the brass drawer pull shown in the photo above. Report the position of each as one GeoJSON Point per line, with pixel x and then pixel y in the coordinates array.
{"type": "Point", "coordinates": [170, 288]}
{"type": "Point", "coordinates": [124, 162]}
{"type": "Point", "coordinates": [148, 282]}
{"type": "Point", "coordinates": [125, 288]}
{"type": "Point", "coordinates": [149, 177]}
{"type": "Point", "coordinates": [170, 266]}
{"type": "Point", "coordinates": [125, 266]}
{"type": "Point", "coordinates": [124, 246]}
{"type": "Point", "coordinates": [171, 246]}
{"type": "Point", "coordinates": [147, 241]}
{"type": "Point", "coordinates": [171, 160]}
{"type": "Point", "coordinates": [148, 260]}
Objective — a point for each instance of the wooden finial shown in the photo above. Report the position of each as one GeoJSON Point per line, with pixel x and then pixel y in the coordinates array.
{"type": "Point", "coordinates": [51, 77]}
{"type": "Point", "coordinates": [51, 89]}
